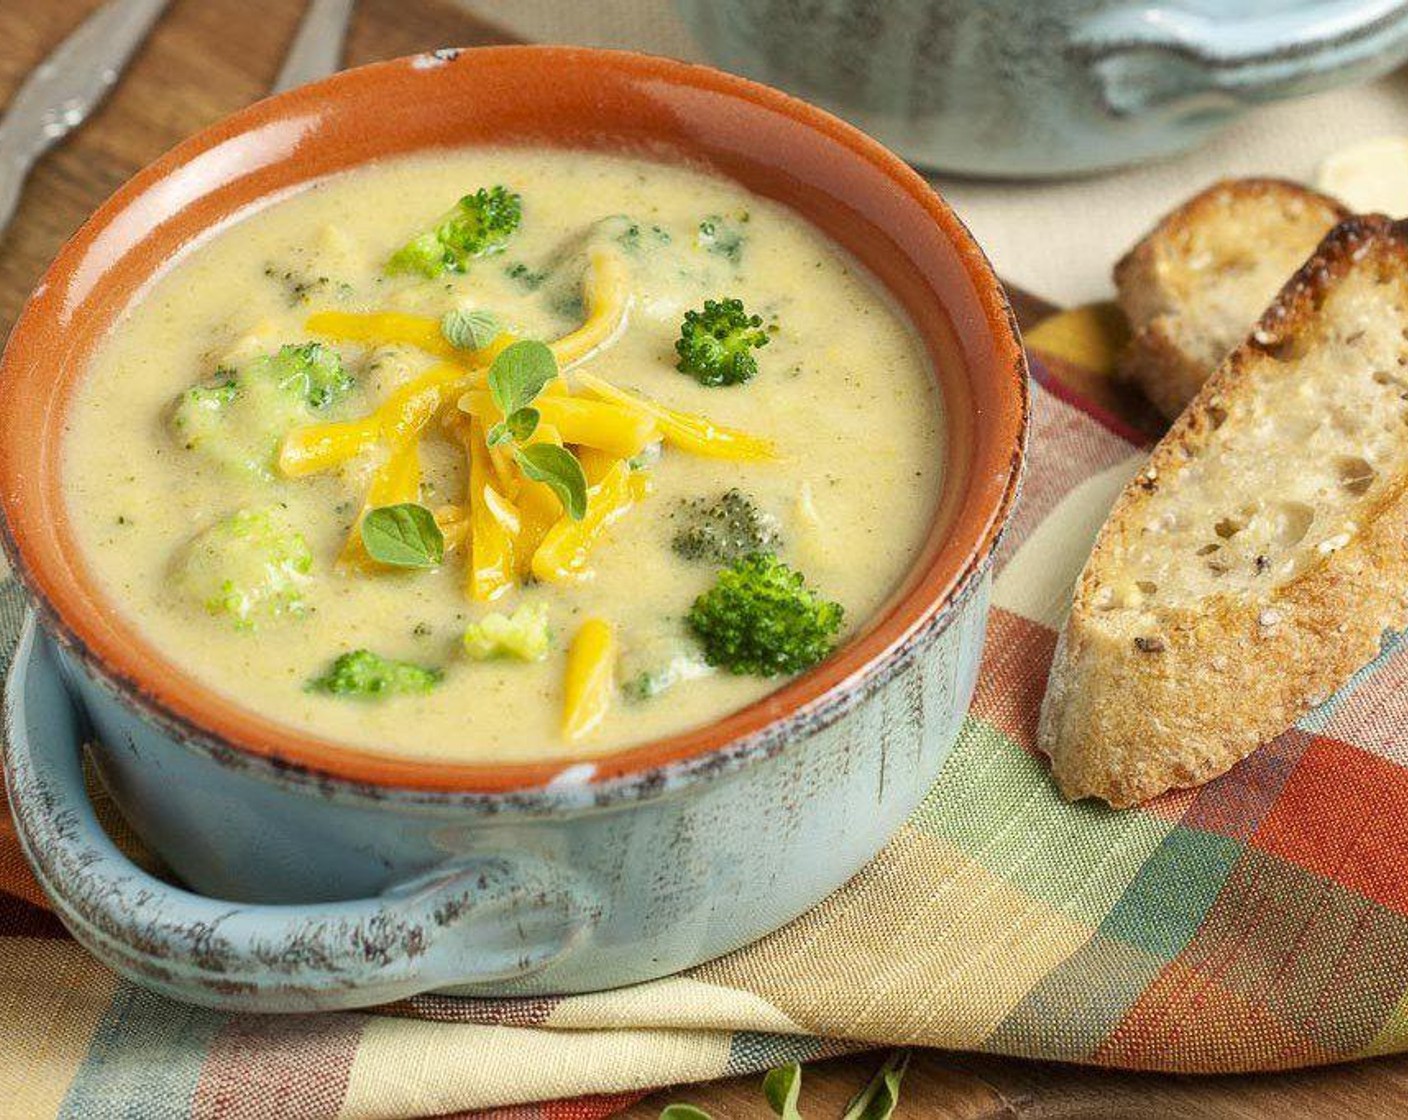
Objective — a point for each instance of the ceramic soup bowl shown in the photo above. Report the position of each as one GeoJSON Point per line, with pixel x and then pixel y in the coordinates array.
{"type": "Point", "coordinates": [319, 876]}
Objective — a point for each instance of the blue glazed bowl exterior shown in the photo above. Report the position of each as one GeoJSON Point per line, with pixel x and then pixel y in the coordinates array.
{"type": "Point", "coordinates": [567, 889]}
{"type": "Point", "coordinates": [1054, 87]}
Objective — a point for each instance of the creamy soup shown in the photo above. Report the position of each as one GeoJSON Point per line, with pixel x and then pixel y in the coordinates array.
{"type": "Point", "coordinates": [323, 532]}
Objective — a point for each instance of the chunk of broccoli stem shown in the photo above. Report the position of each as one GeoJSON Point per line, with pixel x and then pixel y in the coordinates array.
{"type": "Point", "coordinates": [521, 636]}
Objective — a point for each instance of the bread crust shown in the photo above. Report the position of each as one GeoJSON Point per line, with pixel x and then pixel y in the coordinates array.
{"type": "Point", "coordinates": [1170, 355]}
{"type": "Point", "coordinates": [1125, 723]}
{"type": "Point", "coordinates": [1169, 376]}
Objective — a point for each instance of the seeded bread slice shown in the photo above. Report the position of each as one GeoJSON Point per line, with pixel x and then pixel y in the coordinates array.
{"type": "Point", "coordinates": [1195, 285]}
{"type": "Point", "coordinates": [1253, 565]}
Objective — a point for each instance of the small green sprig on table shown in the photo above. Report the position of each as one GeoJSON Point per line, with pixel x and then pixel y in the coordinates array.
{"type": "Point", "coordinates": [782, 1088]}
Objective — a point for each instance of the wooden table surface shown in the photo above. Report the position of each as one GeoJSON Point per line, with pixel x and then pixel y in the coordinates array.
{"type": "Point", "coordinates": [209, 57]}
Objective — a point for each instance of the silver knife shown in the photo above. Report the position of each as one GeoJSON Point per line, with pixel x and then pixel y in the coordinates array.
{"type": "Point", "coordinates": [316, 50]}
{"type": "Point", "coordinates": [62, 90]}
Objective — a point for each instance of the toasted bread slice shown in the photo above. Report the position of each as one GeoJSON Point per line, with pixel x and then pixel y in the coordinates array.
{"type": "Point", "coordinates": [1253, 565]}
{"type": "Point", "coordinates": [1195, 285]}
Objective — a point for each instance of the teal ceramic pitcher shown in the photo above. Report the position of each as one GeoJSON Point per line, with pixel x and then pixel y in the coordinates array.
{"type": "Point", "coordinates": [1033, 88]}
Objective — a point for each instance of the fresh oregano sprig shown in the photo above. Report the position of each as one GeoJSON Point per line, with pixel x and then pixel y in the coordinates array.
{"type": "Point", "coordinates": [467, 329]}
{"type": "Point", "coordinates": [877, 1100]}
{"type": "Point", "coordinates": [782, 1086]}
{"type": "Point", "coordinates": [559, 469]}
{"type": "Point", "coordinates": [518, 374]}
{"type": "Point", "coordinates": [403, 536]}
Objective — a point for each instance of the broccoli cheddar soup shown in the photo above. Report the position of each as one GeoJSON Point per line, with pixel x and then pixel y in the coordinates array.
{"type": "Point", "coordinates": [505, 455]}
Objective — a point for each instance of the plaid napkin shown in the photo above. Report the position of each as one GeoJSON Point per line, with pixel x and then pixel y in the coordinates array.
{"type": "Point", "coordinates": [1257, 923]}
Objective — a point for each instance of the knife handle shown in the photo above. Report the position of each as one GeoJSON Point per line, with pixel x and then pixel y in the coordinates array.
{"type": "Point", "coordinates": [60, 93]}
{"type": "Point", "coordinates": [316, 51]}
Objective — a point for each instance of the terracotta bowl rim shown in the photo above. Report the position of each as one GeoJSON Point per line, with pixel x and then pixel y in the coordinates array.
{"type": "Point", "coordinates": [809, 701]}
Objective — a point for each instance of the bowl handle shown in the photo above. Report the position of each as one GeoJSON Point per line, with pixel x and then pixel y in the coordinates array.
{"type": "Point", "coordinates": [1164, 57]}
{"type": "Point", "coordinates": [473, 920]}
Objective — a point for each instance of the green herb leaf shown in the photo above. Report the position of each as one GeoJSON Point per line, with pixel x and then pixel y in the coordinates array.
{"type": "Point", "coordinates": [881, 1094]}
{"type": "Point", "coordinates": [404, 536]}
{"type": "Point", "coordinates": [514, 428]}
{"type": "Point", "coordinates": [519, 373]}
{"type": "Point", "coordinates": [781, 1087]}
{"type": "Point", "coordinates": [559, 468]}
{"type": "Point", "coordinates": [523, 423]}
{"type": "Point", "coordinates": [683, 1112]}
{"type": "Point", "coordinates": [470, 330]}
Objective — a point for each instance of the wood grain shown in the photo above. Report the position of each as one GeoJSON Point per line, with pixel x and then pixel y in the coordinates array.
{"type": "Point", "coordinates": [209, 57]}
{"type": "Point", "coordinates": [943, 1086]}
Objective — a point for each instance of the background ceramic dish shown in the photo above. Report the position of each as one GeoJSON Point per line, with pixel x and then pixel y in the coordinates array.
{"type": "Point", "coordinates": [1036, 89]}
{"type": "Point", "coordinates": [338, 878]}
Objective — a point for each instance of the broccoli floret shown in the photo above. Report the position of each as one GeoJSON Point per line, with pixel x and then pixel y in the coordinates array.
{"type": "Point", "coordinates": [310, 371]}
{"type": "Point", "coordinates": [236, 424]}
{"type": "Point", "coordinates": [523, 635]}
{"type": "Point", "coordinates": [723, 236]}
{"type": "Point", "coordinates": [716, 344]}
{"type": "Point", "coordinates": [248, 568]}
{"type": "Point", "coordinates": [199, 411]}
{"type": "Point", "coordinates": [726, 530]}
{"type": "Point", "coordinates": [237, 418]}
{"type": "Point", "coordinates": [760, 618]}
{"type": "Point", "coordinates": [368, 675]}
{"type": "Point", "coordinates": [480, 223]}
{"type": "Point", "coordinates": [215, 394]}
{"type": "Point", "coordinates": [657, 663]}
